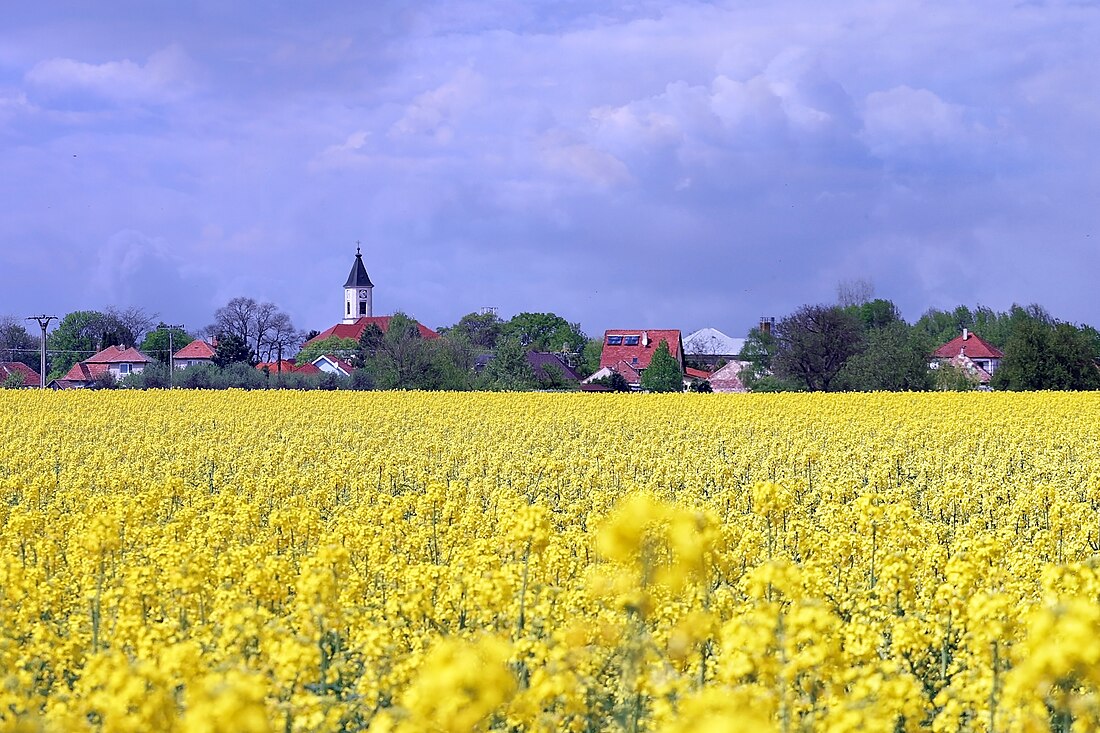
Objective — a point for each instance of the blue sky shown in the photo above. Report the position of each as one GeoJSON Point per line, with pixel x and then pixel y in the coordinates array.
{"type": "Point", "coordinates": [624, 164]}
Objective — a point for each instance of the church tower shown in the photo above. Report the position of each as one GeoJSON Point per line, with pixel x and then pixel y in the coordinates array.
{"type": "Point", "coordinates": [357, 291]}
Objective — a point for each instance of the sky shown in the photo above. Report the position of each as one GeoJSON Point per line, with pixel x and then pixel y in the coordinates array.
{"type": "Point", "coordinates": [625, 164]}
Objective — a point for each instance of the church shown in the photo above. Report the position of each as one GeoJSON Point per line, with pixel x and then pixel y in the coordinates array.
{"type": "Point", "coordinates": [359, 308]}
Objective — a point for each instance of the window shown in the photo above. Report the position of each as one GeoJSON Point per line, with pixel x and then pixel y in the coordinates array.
{"type": "Point", "coordinates": [349, 307]}
{"type": "Point", "coordinates": [614, 340]}
{"type": "Point", "coordinates": [631, 340]}
{"type": "Point", "coordinates": [362, 308]}
{"type": "Point", "coordinates": [634, 360]}
{"type": "Point", "coordinates": [123, 368]}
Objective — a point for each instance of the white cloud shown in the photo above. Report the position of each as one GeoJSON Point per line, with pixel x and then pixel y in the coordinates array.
{"type": "Point", "coordinates": [434, 113]}
{"type": "Point", "coordinates": [166, 76]}
{"type": "Point", "coordinates": [904, 117]}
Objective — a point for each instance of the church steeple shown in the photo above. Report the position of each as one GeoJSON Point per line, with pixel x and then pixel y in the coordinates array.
{"type": "Point", "coordinates": [358, 290]}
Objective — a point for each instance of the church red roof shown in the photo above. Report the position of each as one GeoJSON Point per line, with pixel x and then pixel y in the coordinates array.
{"type": "Point", "coordinates": [969, 345]}
{"type": "Point", "coordinates": [355, 330]}
{"type": "Point", "coordinates": [636, 347]}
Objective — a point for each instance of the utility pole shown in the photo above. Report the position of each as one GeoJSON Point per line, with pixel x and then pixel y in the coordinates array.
{"type": "Point", "coordinates": [43, 322]}
{"type": "Point", "coordinates": [172, 353]}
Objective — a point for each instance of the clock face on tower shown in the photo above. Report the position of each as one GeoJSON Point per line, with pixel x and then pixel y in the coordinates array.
{"type": "Point", "coordinates": [362, 293]}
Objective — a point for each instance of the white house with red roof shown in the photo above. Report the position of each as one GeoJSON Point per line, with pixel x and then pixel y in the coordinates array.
{"type": "Point", "coordinates": [117, 361]}
{"type": "Point", "coordinates": [629, 351]}
{"type": "Point", "coordinates": [195, 353]}
{"type": "Point", "coordinates": [969, 352]}
{"type": "Point", "coordinates": [330, 364]}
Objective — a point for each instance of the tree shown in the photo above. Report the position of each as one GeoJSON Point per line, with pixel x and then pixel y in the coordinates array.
{"type": "Point", "coordinates": [758, 353]}
{"type": "Point", "coordinates": [231, 349]}
{"type": "Point", "coordinates": [339, 347]}
{"type": "Point", "coordinates": [17, 343]}
{"type": "Point", "coordinates": [894, 359]}
{"type": "Point", "coordinates": [14, 380]}
{"type": "Point", "coordinates": [481, 330]}
{"type": "Point", "coordinates": [615, 382]}
{"type": "Point", "coordinates": [854, 292]}
{"type": "Point", "coordinates": [402, 359]}
{"type": "Point", "coordinates": [545, 332]}
{"type": "Point", "coordinates": [663, 373]}
{"type": "Point", "coordinates": [589, 362]}
{"type": "Point", "coordinates": [78, 335]}
{"type": "Point", "coordinates": [158, 345]}
{"type": "Point", "coordinates": [813, 344]}
{"type": "Point", "coordinates": [264, 329]}
{"type": "Point", "coordinates": [701, 385]}
{"type": "Point", "coordinates": [877, 313]}
{"type": "Point", "coordinates": [509, 370]}
{"type": "Point", "coordinates": [1041, 354]}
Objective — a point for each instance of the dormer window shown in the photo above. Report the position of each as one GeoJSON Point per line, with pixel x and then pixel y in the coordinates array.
{"type": "Point", "coordinates": [631, 340]}
{"type": "Point", "coordinates": [614, 340]}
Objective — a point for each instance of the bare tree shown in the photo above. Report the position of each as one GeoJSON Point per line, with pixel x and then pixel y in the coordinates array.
{"type": "Point", "coordinates": [133, 320]}
{"type": "Point", "coordinates": [264, 328]}
{"type": "Point", "coordinates": [854, 292]}
{"type": "Point", "coordinates": [281, 339]}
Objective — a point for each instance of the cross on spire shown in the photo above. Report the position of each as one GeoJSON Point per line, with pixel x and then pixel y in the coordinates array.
{"type": "Point", "coordinates": [358, 250]}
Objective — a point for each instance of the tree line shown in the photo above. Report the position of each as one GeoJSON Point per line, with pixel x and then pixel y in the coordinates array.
{"type": "Point", "coordinates": [867, 346]}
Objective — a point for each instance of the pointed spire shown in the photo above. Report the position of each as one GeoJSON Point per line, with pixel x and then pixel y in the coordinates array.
{"type": "Point", "coordinates": [358, 277]}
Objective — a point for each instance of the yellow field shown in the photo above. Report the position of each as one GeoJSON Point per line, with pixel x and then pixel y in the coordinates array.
{"type": "Point", "coordinates": [344, 561]}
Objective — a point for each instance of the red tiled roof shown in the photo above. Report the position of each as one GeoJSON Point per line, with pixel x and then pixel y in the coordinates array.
{"type": "Point", "coordinates": [307, 369]}
{"type": "Point", "coordinates": [197, 349]}
{"type": "Point", "coordinates": [273, 366]}
{"type": "Point", "coordinates": [627, 372]}
{"type": "Point", "coordinates": [355, 330]}
{"type": "Point", "coordinates": [84, 371]}
{"type": "Point", "coordinates": [973, 347]}
{"type": "Point", "coordinates": [30, 376]}
{"type": "Point", "coordinates": [696, 373]}
{"type": "Point", "coordinates": [118, 355]}
{"type": "Point", "coordinates": [639, 355]}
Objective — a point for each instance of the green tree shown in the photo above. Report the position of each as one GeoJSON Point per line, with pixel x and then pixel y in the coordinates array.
{"type": "Point", "coordinates": [402, 359]}
{"type": "Point", "coordinates": [894, 359]}
{"type": "Point", "coordinates": [14, 380]}
{"type": "Point", "coordinates": [663, 373]}
{"type": "Point", "coordinates": [545, 332]}
{"type": "Point", "coordinates": [813, 344]}
{"type": "Point", "coordinates": [480, 330]}
{"type": "Point", "coordinates": [1043, 355]}
{"type": "Point", "coordinates": [590, 357]}
{"type": "Point", "coordinates": [231, 349]}
{"type": "Point", "coordinates": [156, 343]}
{"type": "Point", "coordinates": [78, 335]}
{"type": "Point", "coordinates": [343, 348]}
{"type": "Point", "coordinates": [509, 370]}
{"type": "Point", "coordinates": [17, 343]}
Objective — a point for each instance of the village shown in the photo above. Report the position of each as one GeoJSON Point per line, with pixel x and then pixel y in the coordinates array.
{"type": "Point", "coordinates": [705, 360]}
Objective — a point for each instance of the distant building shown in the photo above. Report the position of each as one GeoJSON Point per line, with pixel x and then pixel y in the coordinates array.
{"type": "Point", "coordinates": [541, 361]}
{"type": "Point", "coordinates": [629, 352]}
{"type": "Point", "coordinates": [330, 364]}
{"type": "Point", "coordinates": [117, 361]}
{"type": "Point", "coordinates": [16, 370]}
{"type": "Point", "coordinates": [971, 353]}
{"type": "Point", "coordinates": [709, 346]}
{"type": "Point", "coordinates": [728, 378]}
{"type": "Point", "coordinates": [195, 353]}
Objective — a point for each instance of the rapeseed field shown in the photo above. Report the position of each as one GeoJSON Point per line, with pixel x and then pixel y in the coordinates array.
{"type": "Point", "coordinates": [262, 561]}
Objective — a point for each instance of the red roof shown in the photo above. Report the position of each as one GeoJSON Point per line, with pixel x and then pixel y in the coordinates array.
{"type": "Point", "coordinates": [642, 344]}
{"type": "Point", "coordinates": [696, 373]}
{"type": "Point", "coordinates": [335, 361]}
{"type": "Point", "coordinates": [355, 330]}
{"type": "Point", "coordinates": [83, 371]}
{"type": "Point", "coordinates": [307, 369]}
{"type": "Point", "coordinates": [197, 349]}
{"type": "Point", "coordinates": [30, 376]}
{"type": "Point", "coordinates": [970, 345]}
{"type": "Point", "coordinates": [118, 355]}
{"type": "Point", "coordinates": [273, 366]}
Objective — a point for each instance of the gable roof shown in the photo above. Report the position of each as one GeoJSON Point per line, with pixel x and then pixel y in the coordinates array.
{"type": "Point", "coordinates": [30, 376]}
{"type": "Point", "coordinates": [355, 330]}
{"type": "Point", "coordinates": [358, 277]}
{"type": "Point", "coordinates": [83, 371]}
{"type": "Point", "coordinates": [696, 373]}
{"type": "Point", "coordinates": [970, 345]}
{"type": "Point", "coordinates": [288, 366]}
{"type": "Point", "coordinates": [712, 342]}
{"type": "Point", "coordinates": [336, 362]}
{"type": "Point", "coordinates": [118, 355]}
{"type": "Point", "coordinates": [728, 378]}
{"type": "Point", "coordinates": [639, 355]}
{"type": "Point", "coordinates": [197, 349]}
{"type": "Point", "coordinates": [539, 360]}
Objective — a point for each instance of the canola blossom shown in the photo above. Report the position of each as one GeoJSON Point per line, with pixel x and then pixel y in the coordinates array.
{"type": "Point", "coordinates": [232, 561]}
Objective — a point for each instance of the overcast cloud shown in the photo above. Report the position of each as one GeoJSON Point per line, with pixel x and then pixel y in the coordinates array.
{"type": "Point", "coordinates": [648, 164]}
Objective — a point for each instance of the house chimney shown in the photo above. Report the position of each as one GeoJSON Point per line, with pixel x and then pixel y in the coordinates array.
{"type": "Point", "coordinates": [766, 324]}
{"type": "Point", "coordinates": [645, 339]}
{"type": "Point", "coordinates": [966, 334]}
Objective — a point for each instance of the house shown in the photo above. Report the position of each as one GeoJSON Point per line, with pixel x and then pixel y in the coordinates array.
{"type": "Point", "coordinates": [286, 366]}
{"type": "Point", "coordinates": [195, 353]}
{"type": "Point", "coordinates": [971, 353]}
{"type": "Point", "coordinates": [355, 329]}
{"type": "Point", "coordinates": [709, 346]}
{"type": "Point", "coordinates": [116, 361]}
{"type": "Point", "coordinates": [330, 364]}
{"type": "Point", "coordinates": [16, 371]}
{"type": "Point", "coordinates": [629, 352]}
{"type": "Point", "coordinates": [540, 361]}
{"type": "Point", "coordinates": [728, 378]}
